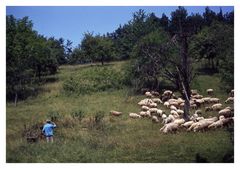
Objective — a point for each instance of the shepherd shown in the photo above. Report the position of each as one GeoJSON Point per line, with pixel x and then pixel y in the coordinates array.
{"type": "Point", "coordinates": [48, 130]}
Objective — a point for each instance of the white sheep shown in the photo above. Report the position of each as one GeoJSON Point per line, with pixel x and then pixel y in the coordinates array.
{"type": "Point", "coordinates": [209, 91]}
{"type": "Point", "coordinates": [145, 108]}
{"type": "Point", "coordinates": [206, 99]}
{"type": "Point", "coordinates": [172, 100]}
{"type": "Point", "coordinates": [164, 116]}
{"type": "Point", "coordinates": [166, 104]}
{"type": "Point", "coordinates": [157, 100]}
{"type": "Point", "coordinates": [218, 123]}
{"type": "Point", "coordinates": [226, 112]}
{"type": "Point", "coordinates": [187, 124]}
{"type": "Point", "coordinates": [167, 92]}
{"type": "Point", "coordinates": [231, 94]}
{"type": "Point", "coordinates": [193, 106]}
{"type": "Point", "coordinates": [179, 121]}
{"type": "Point", "coordinates": [194, 117]}
{"type": "Point", "coordinates": [153, 104]}
{"type": "Point", "coordinates": [217, 106]}
{"type": "Point", "coordinates": [153, 110]}
{"type": "Point", "coordinates": [199, 118]}
{"type": "Point", "coordinates": [194, 92]}
{"type": "Point", "coordinates": [174, 113]}
{"type": "Point", "coordinates": [148, 113]}
{"type": "Point", "coordinates": [154, 93]}
{"type": "Point", "coordinates": [198, 96]}
{"type": "Point", "coordinates": [145, 102]}
{"type": "Point", "coordinates": [170, 127]}
{"type": "Point", "coordinates": [181, 105]}
{"type": "Point", "coordinates": [145, 114]}
{"type": "Point", "coordinates": [229, 100]}
{"type": "Point", "coordinates": [159, 112]}
{"type": "Point", "coordinates": [155, 119]}
{"type": "Point", "coordinates": [180, 100]}
{"type": "Point", "coordinates": [169, 119]}
{"type": "Point", "coordinates": [134, 115]}
{"type": "Point", "coordinates": [179, 111]}
{"type": "Point", "coordinates": [115, 113]}
{"type": "Point", "coordinates": [198, 112]}
{"type": "Point", "coordinates": [148, 94]}
{"type": "Point", "coordinates": [214, 100]}
{"type": "Point", "coordinates": [172, 107]}
{"type": "Point", "coordinates": [202, 124]}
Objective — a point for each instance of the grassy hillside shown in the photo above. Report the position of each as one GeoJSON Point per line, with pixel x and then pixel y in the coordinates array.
{"type": "Point", "coordinates": [109, 139]}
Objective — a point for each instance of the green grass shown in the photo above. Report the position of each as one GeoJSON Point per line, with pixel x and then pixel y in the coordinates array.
{"type": "Point", "coordinates": [118, 139]}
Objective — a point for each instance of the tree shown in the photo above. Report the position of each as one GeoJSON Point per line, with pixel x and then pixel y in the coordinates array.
{"type": "Point", "coordinates": [29, 55]}
{"type": "Point", "coordinates": [105, 51]}
{"type": "Point", "coordinates": [215, 43]}
{"type": "Point", "coordinates": [209, 16]}
{"type": "Point", "coordinates": [164, 22]}
{"type": "Point", "coordinates": [148, 59]}
{"type": "Point", "coordinates": [19, 36]}
{"type": "Point", "coordinates": [89, 46]}
{"type": "Point", "coordinates": [97, 48]}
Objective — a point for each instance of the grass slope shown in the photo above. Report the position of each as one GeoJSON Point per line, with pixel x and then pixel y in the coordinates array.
{"type": "Point", "coordinates": [113, 139]}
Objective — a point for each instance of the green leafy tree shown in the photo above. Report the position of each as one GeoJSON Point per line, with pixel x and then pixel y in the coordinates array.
{"type": "Point", "coordinates": [215, 43]}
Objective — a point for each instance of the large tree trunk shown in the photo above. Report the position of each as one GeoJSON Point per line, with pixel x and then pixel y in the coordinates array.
{"type": "Point", "coordinates": [185, 71]}
{"type": "Point", "coordinates": [16, 99]}
{"type": "Point", "coordinates": [102, 60]}
{"type": "Point", "coordinates": [39, 72]}
{"type": "Point", "coordinates": [212, 63]}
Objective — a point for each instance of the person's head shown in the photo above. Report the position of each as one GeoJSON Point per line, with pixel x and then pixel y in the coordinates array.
{"type": "Point", "coordinates": [48, 121]}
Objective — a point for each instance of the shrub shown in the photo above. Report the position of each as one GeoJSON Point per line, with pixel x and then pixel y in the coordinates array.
{"type": "Point", "coordinates": [79, 114]}
{"type": "Point", "coordinates": [53, 115]}
{"type": "Point", "coordinates": [94, 80]}
{"type": "Point", "coordinates": [96, 122]}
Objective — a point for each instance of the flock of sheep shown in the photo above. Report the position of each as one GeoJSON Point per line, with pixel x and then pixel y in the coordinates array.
{"type": "Point", "coordinates": [172, 118]}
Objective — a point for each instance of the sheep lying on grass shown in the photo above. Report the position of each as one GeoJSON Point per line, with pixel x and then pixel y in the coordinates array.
{"type": "Point", "coordinates": [134, 115]}
{"type": "Point", "coordinates": [115, 113]}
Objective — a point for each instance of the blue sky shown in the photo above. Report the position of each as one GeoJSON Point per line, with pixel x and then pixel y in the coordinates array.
{"type": "Point", "coordinates": [71, 22]}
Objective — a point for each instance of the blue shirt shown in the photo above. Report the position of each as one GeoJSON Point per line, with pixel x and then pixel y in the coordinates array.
{"type": "Point", "coordinates": [48, 129]}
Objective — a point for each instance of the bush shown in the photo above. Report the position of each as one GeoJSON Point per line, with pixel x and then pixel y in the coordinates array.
{"type": "Point", "coordinates": [94, 80]}
{"type": "Point", "coordinates": [79, 114]}
{"type": "Point", "coordinates": [53, 116]}
{"type": "Point", "coordinates": [96, 122]}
